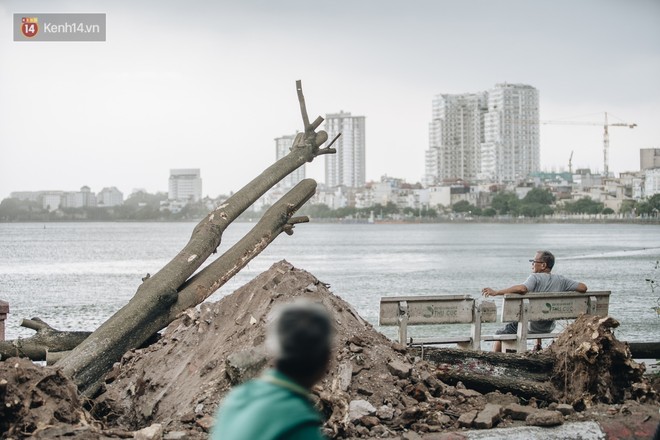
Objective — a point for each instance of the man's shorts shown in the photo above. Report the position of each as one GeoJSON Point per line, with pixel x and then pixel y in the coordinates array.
{"type": "Point", "coordinates": [511, 328]}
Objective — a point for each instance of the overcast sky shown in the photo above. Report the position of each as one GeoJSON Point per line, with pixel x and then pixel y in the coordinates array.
{"type": "Point", "coordinates": [210, 84]}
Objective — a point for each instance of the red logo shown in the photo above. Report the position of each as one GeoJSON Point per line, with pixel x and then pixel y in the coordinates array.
{"type": "Point", "coordinates": [29, 26]}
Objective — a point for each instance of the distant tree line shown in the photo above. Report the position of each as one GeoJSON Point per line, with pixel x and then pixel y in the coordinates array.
{"type": "Point", "coordinates": [539, 202]}
{"type": "Point", "coordinates": [142, 206]}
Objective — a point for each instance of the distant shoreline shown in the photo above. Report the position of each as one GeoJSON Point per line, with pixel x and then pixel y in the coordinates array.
{"type": "Point", "coordinates": [481, 220]}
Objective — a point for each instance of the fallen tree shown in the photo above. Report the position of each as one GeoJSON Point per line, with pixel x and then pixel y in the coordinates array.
{"type": "Point", "coordinates": [585, 364]}
{"type": "Point", "coordinates": [173, 289]}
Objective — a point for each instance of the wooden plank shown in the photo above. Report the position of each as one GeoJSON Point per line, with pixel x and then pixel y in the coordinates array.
{"type": "Point", "coordinates": [553, 305]}
{"type": "Point", "coordinates": [432, 340]}
{"type": "Point", "coordinates": [511, 337]}
{"type": "Point", "coordinates": [488, 311]}
{"type": "Point", "coordinates": [422, 298]}
{"type": "Point", "coordinates": [424, 310]}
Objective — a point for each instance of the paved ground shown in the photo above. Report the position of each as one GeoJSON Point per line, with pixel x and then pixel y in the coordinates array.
{"type": "Point", "coordinates": [632, 428]}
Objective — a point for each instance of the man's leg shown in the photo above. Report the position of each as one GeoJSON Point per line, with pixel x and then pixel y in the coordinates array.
{"type": "Point", "coordinates": [540, 327]}
{"type": "Point", "coordinates": [511, 328]}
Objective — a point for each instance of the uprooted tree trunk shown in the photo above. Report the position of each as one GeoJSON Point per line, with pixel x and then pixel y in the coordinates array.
{"type": "Point", "coordinates": [171, 290]}
{"type": "Point", "coordinates": [585, 364]}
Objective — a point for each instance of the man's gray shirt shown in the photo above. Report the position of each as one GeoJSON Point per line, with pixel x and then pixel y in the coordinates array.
{"type": "Point", "coordinates": [547, 282]}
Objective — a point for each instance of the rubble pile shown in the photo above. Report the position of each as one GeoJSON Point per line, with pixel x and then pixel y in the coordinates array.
{"type": "Point", "coordinates": [375, 388]}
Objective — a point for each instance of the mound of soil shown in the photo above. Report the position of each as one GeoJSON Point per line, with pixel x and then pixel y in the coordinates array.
{"type": "Point", "coordinates": [179, 381]}
{"type": "Point", "coordinates": [374, 388]}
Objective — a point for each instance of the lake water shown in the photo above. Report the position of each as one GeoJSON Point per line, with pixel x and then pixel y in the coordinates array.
{"type": "Point", "coordinates": [76, 275]}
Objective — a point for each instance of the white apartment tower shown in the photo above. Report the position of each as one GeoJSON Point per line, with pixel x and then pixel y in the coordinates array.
{"type": "Point", "coordinates": [490, 135]}
{"type": "Point", "coordinates": [347, 166]}
{"type": "Point", "coordinates": [455, 137]}
{"type": "Point", "coordinates": [511, 148]}
{"type": "Point", "coordinates": [282, 148]}
{"type": "Point", "coordinates": [185, 185]}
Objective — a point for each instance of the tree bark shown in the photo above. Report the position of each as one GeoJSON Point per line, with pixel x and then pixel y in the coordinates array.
{"type": "Point", "coordinates": [161, 297]}
{"type": "Point", "coordinates": [525, 375]}
{"type": "Point", "coordinates": [530, 365]}
{"type": "Point", "coordinates": [88, 362]}
{"type": "Point", "coordinates": [46, 340]}
{"type": "Point", "coordinates": [645, 350]}
{"type": "Point", "coordinates": [489, 383]}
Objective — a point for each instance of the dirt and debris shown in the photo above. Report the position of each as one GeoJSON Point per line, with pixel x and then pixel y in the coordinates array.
{"type": "Point", "coordinates": [375, 388]}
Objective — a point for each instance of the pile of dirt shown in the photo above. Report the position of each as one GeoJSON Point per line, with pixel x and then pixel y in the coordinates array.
{"type": "Point", "coordinates": [180, 380]}
{"type": "Point", "coordinates": [374, 388]}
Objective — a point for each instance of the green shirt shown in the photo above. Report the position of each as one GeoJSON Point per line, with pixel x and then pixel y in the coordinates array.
{"type": "Point", "coordinates": [272, 407]}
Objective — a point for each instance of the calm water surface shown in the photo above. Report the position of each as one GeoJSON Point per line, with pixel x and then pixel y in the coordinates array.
{"type": "Point", "coordinates": [76, 275]}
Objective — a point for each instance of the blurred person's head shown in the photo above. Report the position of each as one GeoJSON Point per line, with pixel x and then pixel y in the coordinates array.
{"type": "Point", "coordinates": [300, 338]}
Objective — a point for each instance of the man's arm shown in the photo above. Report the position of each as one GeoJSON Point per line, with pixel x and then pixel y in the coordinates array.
{"type": "Point", "coordinates": [582, 288]}
{"type": "Point", "coordinates": [518, 288]}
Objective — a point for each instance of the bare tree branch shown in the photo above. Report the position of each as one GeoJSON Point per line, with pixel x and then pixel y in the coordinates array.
{"type": "Point", "coordinates": [45, 340]}
{"type": "Point", "coordinates": [162, 293]}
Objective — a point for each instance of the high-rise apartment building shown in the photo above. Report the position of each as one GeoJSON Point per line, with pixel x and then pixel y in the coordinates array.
{"type": "Point", "coordinates": [185, 185]}
{"type": "Point", "coordinates": [282, 148]}
{"type": "Point", "coordinates": [110, 196]}
{"type": "Point", "coordinates": [455, 137]}
{"type": "Point", "coordinates": [346, 167]}
{"type": "Point", "coordinates": [649, 158]}
{"type": "Point", "coordinates": [490, 135]}
{"type": "Point", "coordinates": [511, 148]}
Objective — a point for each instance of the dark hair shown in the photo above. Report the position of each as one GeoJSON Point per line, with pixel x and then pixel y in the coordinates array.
{"type": "Point", "coordinates": [302, 333]}
{"type": "Point", "coordinates": [547, 258]}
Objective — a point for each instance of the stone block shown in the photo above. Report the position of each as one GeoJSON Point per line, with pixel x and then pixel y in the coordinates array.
{"type": "Point", "coordinates": [518, 412]}
{"type": "Point", "coordinates": [245, 365]}
{"type": "Point", "coordinates": [153, 432]}
{"type": "Point", "coordinates": [565, 409]}
{"type": "Point", "coordinates": [400, 369]}
{"type": "Point", "coordinates": [360, 408]}
{"type": "Point", "coordinates": [466, 419]}
{"type": "Point", "coordinates": [488, 417]}
{"type": "Point", "coordinates": [544, 417]}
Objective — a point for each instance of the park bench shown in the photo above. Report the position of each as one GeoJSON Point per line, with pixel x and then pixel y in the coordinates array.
{"type": "Point", "coordinates": [543, 307]}
{"type": "Point", "coordinates": [403, 311]}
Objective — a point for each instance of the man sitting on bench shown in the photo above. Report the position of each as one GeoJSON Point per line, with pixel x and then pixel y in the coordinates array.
{"type": "Point", "coordinates": [540, 280]}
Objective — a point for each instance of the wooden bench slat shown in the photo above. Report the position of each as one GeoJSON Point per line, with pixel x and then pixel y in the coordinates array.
{"type": "Point", "coordinates": [436, 310]}
{"type": "Point", "coordinates": [431, 340]}
{"type": "Point", "coordinates": [512, 337]}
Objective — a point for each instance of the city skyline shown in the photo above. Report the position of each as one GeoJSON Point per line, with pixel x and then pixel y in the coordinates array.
{"type": "Point", "coordinates": [179, 88]}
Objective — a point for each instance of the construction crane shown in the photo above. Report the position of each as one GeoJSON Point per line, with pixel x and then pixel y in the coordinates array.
{"type": "Point", "coordinates": [606, 136]}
